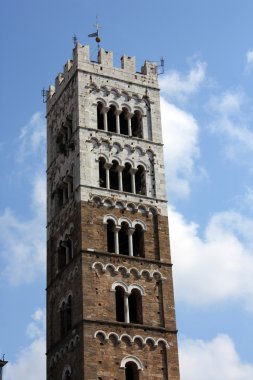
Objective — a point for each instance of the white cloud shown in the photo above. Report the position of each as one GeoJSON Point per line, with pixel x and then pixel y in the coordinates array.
{"type": "Point", "coordinates": [31, 361]}
{"type": "Point", "coordinates": [32, 138]}
{"type": "Point", "coordinates": [216, 359]}
{"type": "Point", "coordinates": [216, 267]}
{"type": "Point", "coordinates": [179, 87]}
{"type": "Point", "coordinates": [180, 136]}
{"type": "Point", "coordinates": [249, 56]}
{"type": "Point", "coordinates": [231, 119]}
{"type": "Point", "coordinates": [22, 240]}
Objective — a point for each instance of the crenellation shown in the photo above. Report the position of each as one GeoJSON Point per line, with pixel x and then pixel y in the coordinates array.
{"type": "Point", "coordinates": [105, 58]}
{"type": "Point", "coordinates": [128, 64]}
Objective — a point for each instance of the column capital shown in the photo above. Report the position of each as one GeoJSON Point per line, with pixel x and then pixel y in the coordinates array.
{"type": "Point", "coordinates": [133, 170]}
{"type": "Point", "coordinates": [120, 168]}
{"type": "Point", "coordinates": [105, 109]}
{"type": "Point", "coordinates": [131, 230]}
{"type": "Point", "coordinates": [116, 228]}
{"type": "Point", "coordinates": [107, 165]}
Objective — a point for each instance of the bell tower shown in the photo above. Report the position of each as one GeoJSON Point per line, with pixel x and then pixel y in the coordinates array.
{"type": "Point", "coordinates": [110, 300]}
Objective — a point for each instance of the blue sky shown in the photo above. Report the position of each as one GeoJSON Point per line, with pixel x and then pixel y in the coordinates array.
{"type": "Point", "coordinates": [207, 113]}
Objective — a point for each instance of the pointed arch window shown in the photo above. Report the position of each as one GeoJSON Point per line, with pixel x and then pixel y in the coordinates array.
{"type": "Point", "coordinates": [66, 316]}
{"type": "Point", "coordinates": [127, 178]}
{"type": "Point", "coordinates": [140, 180]}
{"type": "Point", "coordinates": [135, 307]}
{"type": "Point", "coordinates": [124, 239]}
{"type": "Point", "coordinates": [138, 241]}
{"type": "Point", "coordinates": [131, 371]}
{"type": "Point", "coordinates": [114, 175]}
{"type": "Point", "coordinates": [111, 119]}
{"type": "Point", "coordinates": [111, 236]}
{"type": "Point", "coordinates": [124, 122]}
{"type": "Point", "coordinates": [102, 172]}
{"type": "Point", "coordinates": [120, 304]}
{"type": "Point", "coordinates": [136, 124]}
{"type": "Point", "coordinates": [100, 116]}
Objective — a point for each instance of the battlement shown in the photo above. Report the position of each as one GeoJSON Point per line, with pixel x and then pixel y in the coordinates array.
{"type": "Point", "coordinates": [104, 66]}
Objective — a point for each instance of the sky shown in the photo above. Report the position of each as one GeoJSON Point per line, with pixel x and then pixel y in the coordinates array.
{"type": "Point", "coordinates": [207, 116]}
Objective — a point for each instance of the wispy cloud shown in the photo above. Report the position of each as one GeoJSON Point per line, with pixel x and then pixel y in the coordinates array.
{"type": "Point", "coordinates": [180, 135]}
{"type": "Point", "coordinates": [178, 86]}
{"type": "Point", "coordinates": [22, 239]}
{"type": "Point", "coordinates": [216, 359]}
{"type": "Point", "coordinates": [217, 267]}
{"type": "Point", "coordinates": [30, 363]}
{"type": "Point", "coordinates": [231, 117]}
{"type": "Point", "coordinates": [249, 61]}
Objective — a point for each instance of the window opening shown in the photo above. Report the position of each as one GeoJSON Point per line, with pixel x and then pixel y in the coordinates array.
{"type": "Point", "coordinates": [127, 178]}
{"type": "Point", "coordinates": [102, 172]}
{"type": "Point", "coordinates": [111, 119]}
{"type": "Point", "coordinates": [100, 116]}
{"type": "Point", "coordinates": [136, 124]}
{"type": "Point", "coordinates": [114, 175]}
{"type": "Point", "coordinates": [69, 314]}
{"type": "Point", "coordinates": [123, 117]}
{"type": "Point", "coordinates": [123, 239]}
{"type": "Point", "coordinates": [131, 371]}
{"type": "Point", "coordinates": [138, 241]}
{"type": "Point", "coordinates": [110, 236]}
{"type": "Point", "coordinates": [120, 307]}
{"type": "Point", "coordinates": [66, 316]}
{"type": "Point", "coordinates": [140, 180]}
{"type": "Point", "coordinates": [69, 124]}
{"type": "Point", "coordinates": [135, 307]}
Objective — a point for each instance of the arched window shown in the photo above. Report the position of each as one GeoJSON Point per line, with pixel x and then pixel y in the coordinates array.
{"type": "Point", "coordinates": [110, 236]}
{"type": "Point", "coordinates": [65, 252]}
{"type": "Point", "coordinates": [120, 304]}
{"type": "Point", "coordinates": [69, 313]}
{"type": "Point", "coordinates": [138, 241]}
{"type": "Point", "coordinates": [135, 307]}
{"type": "Point", "coordinates": [136, 124]}
{"type": "Point", "coordinates": [123, 239]}
{"type": "Point", "coordinates": [114, 175]}
{"type": "Point", "coordinates": [66, 375]}
{"type": "Point", "coordinates": [131, 371]}
{"type": "Point", "coordinates": [127, 178]}
{"type": "Point", "coordinates": [124, 122]}
{"type": "Point", "coordinates": [66, 316]}
{"type": "Point", "coordinates": [69, 126]}
{"type": "Point", "coordinates": [100, 116]}
{"type": "Point", "coordinates": [111, 119]}
{"type": "Point", "coordinates": [140, 180]}
{"type": "Point", "coordinates": [102, 172]}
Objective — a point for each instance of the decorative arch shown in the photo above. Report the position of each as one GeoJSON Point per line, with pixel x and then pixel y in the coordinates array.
{"type": "Point", "coordinates": [131, 358]}
{"type": "Point", "coordinates": [67, 369]}
{"type": "Point", "coordinates": [138, 287]}
{"type": "Point", "coordinates": [110, 217]}
{"type": "Point", "coordinates": [126, 220]}
{"type": "Point", "coordinates": [141, 223]}
{"type": "Point", "coordinates": [121, 284]}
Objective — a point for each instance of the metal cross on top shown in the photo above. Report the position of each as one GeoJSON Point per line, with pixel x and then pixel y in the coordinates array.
{"type": "Point", "coordinates": [96, 34]}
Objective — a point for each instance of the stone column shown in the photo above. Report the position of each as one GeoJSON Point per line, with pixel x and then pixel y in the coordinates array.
{"type": "Point", "coordinates": [129, 117]}
{"type": "Point", "coordinates": [130, 240]}
{"type": "Point", "coordinates": [107, 167]}
{"type": "Point", "coordinates": [126, 308]}
{"type": "Point", "coordinates": [120, 170]}
{"type": "Point", "coordinates": [104, 111]}
{"type": "Point", "coordinates": [116, 238]}
{"type": "Point", "coordinates": [132, 172]}
{"type": "Point", "coordinates": [117, 113]}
